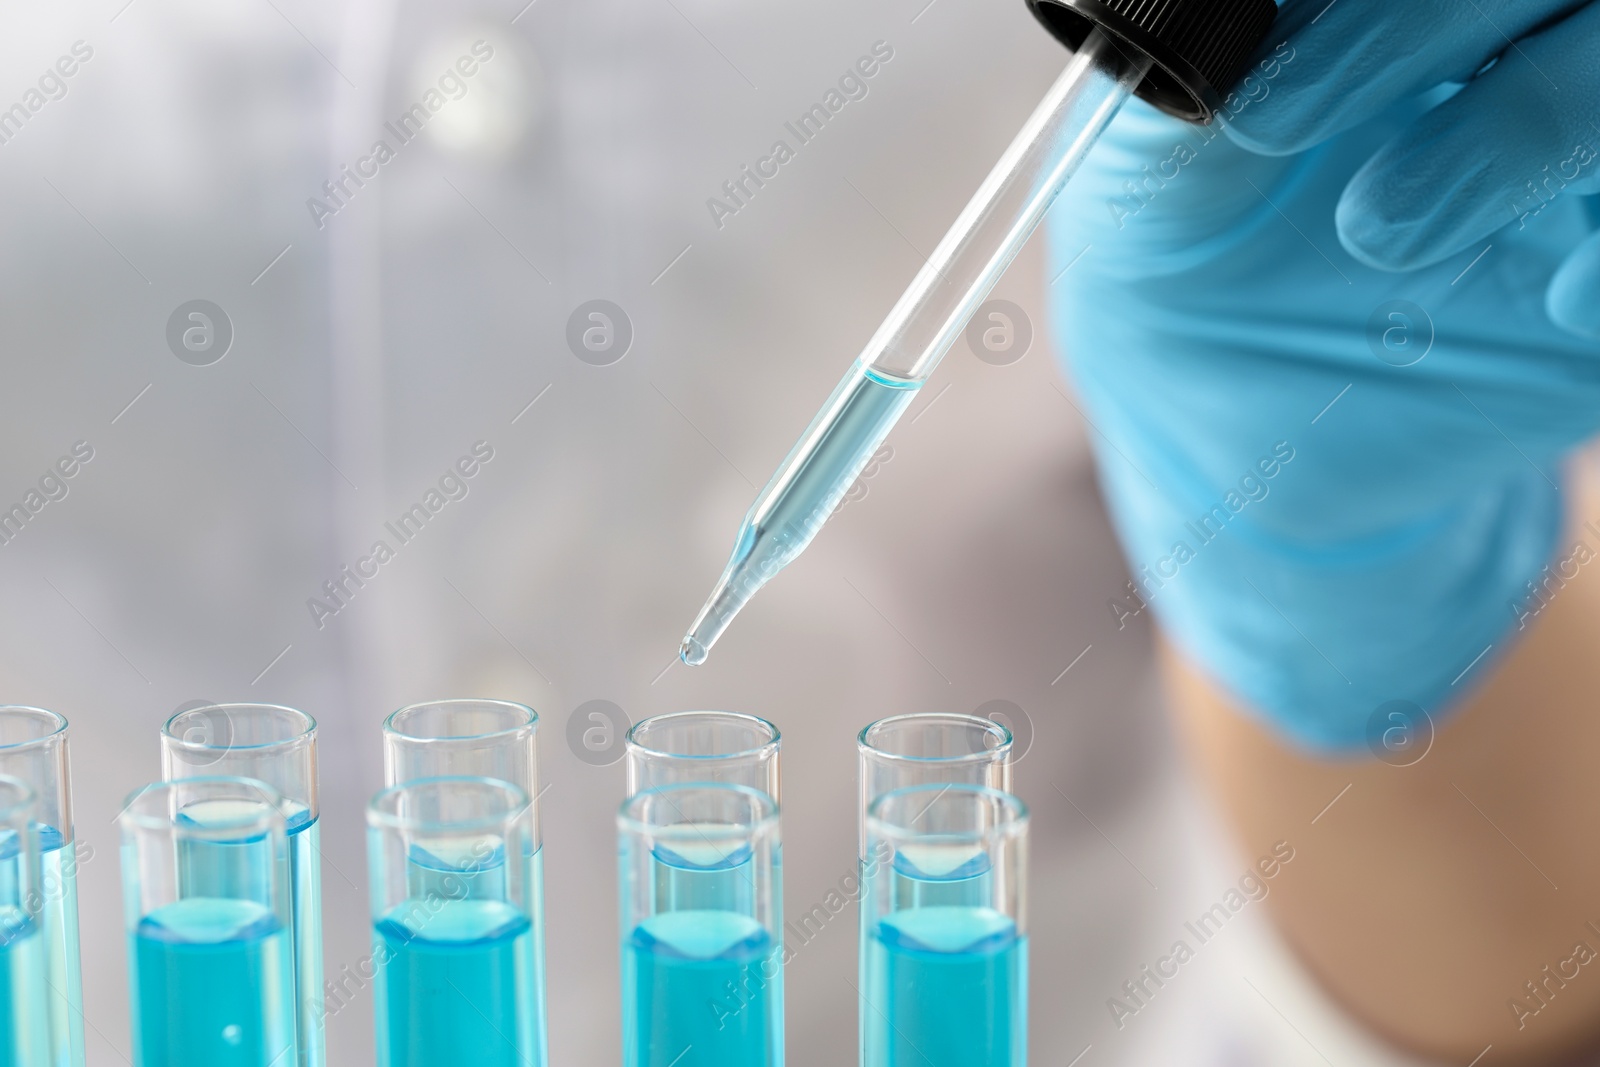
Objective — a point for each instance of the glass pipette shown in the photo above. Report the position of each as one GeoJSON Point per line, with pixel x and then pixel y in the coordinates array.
{"type": "Point", "coordinates": [1200, 44]}
{"type": "Point", "coordinates": [928, 318]}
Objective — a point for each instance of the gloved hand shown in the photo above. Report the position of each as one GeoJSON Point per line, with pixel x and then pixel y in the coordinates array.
{"type": "Point", "coordinates": [1515, 137]}
{"type": "Point", "coordinates": [1335, 482]}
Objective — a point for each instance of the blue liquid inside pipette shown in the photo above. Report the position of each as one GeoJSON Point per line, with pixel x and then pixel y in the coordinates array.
{"type": "Point", "coordinates": [805, 491]}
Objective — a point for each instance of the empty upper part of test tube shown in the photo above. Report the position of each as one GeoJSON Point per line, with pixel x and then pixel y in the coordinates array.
{"type": "Point", "coordinates": [33, 747]}
{"type": "Point", "coordinates": [930, 749]}
{"type": "Point", "coordinates": [698, 827]}
{"type": "Point", "coordinates": [171, 833]}
{"type": "Point", "coordinates": [704, 746]}
{"type": "Point", "coordinates": [471, 737]}
{"type": "Point", "coordinates": [267, 742]}
{"type": "Point", "coordinates": [454, 824]}
{"type": "Point", "coordinates": [436, 843]}
{"type": "Point", "coordinates": [1180, 56]}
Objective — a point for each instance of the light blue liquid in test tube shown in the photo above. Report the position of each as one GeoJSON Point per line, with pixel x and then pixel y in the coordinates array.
{"type": "Point", "coordinates": [453, 928]}
{"type": "Point", "coordinates": [702, 950]}
{"type": "Point", "coordinates": [24, 1023]}
{"type": "Point", "coordinates": [276, 745]}
{"type": "Point", "coordinates": [33, 748]}
{"type": "Point", "coordinates": [206, 886]}
{"type": "Point", "coordinates": [496, 739]}
{"type": "Point", "coordinates": [945, 959]}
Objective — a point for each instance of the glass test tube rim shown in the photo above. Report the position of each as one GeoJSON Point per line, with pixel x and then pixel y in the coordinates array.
{"type": "Point", "coordinates": [866, 748]}
{"type": "Point", "coordinates": [1004, 832]}
{"type": "Point", "coordinates": [303, 737]}
{"type": "Point", "coordinates": [1014, 824]}
{"type": "Point", "coordinates": [270, 815]}
{"type": "Point", "coordinates": [496, 811]}
{"type": "Point", "coordinates": [379, 815]}
{"type": "Point", "coordinates": [58, 728]}
{"type": "Point", "coordinates": [529, 720]}
{"type": "Point", "coordinates": [755, 828]}
{"type": "Point", "coordinates": [775, 737]}
{"type": "Point", "coordinates": [55, 736]}
{"type": "Point", "coordinates": [286, 760]}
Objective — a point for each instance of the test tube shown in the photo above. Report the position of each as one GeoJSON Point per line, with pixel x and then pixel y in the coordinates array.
{"type": "Point", "coordinates": [713, 747]}
{"type": "Point", "coordinates": [24, 1025]}
{"type": "Point", "coordinates": [702, 941]}
{"type": "Point", "coordinates": [33, 748]}
{"type": "Point", "coordinates": [912, 750]}
{"type": "Point", "coordinates": [278, 746]}
{"type": "Point", "coordinates": [453, 924]}
{"type": "Point", "coordinates": [937, 748]}
{"type": "Point", "coordinates": [477, 738]}
{"type": "Point", "coordinates": [945, 968]}
{"type": "Point", "coordinates": [205, 878]}
{"type": "Point", "coordinates": [474, 738]}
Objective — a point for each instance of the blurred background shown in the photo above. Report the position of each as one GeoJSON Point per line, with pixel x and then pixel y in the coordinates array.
{"type": "Point", "coordinates": [363, 339]}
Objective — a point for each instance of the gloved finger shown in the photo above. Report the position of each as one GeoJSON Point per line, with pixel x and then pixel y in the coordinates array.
{"type": "Point", "coordinates": [1157, 194]}
{"type": "Point", "coordinates": [1521, 134]}
{"type": "Point", "coordinates": [1352, 59]}
{"type": "Point", "coordinates": [1573, 299]}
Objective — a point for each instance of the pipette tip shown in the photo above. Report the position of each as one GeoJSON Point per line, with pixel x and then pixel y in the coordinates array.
{"type": "Point", "coordinates": [692, 651]}
{"type": "Point", "coordinates": [725, 602]}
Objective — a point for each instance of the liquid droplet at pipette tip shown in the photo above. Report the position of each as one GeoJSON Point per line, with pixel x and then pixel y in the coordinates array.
{"type": "Point", "coordinates": [724, 603]}
{"type": "Point", "coordinates": [692, 651]}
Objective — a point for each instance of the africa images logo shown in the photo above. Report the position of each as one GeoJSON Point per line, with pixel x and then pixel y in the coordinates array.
{"type": "Point", "coordinates": [341, 189]}
{"type": "Point", "coordinates": [739, 190]}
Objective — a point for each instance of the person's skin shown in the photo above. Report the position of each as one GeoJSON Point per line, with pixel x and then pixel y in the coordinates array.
{"type": "Point", "coordinates": [1428, 895]}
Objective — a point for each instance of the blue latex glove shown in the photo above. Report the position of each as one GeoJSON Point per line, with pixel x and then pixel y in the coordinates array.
{"type": "Point", "coordinates": [1515, 137]}
{"type": "Point", "coordinates": [1370, 529]}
